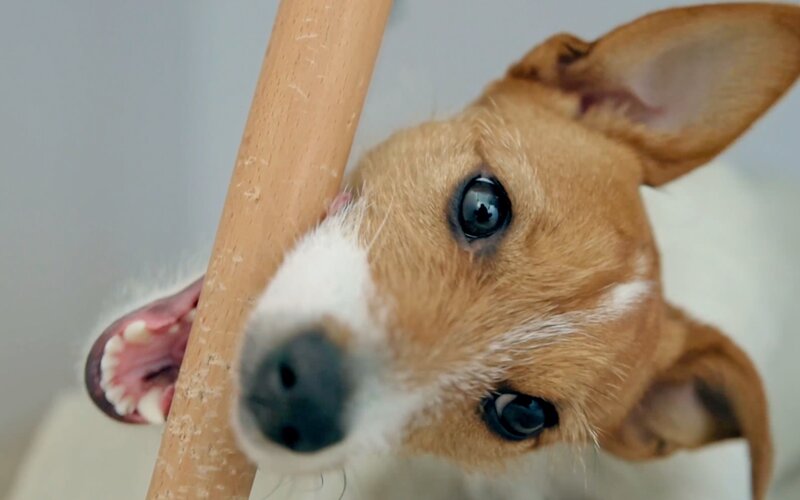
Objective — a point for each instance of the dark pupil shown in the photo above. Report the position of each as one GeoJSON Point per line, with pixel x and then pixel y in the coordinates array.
{"type": "Point", "coordinates": [483, 208]}
{"type": "Point", "coordinates": [520, 417]}
{"type": "Point", "coordinates": [523, 417]}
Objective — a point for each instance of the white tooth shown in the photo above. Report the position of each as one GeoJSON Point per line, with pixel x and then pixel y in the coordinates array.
{"type": "Point", "coordinates": [137, 333]}
{"type": "Point", "coordinates": [189, 318]}
{"type": "Point", "coordinates": [114, 394]}
{"type": "Point", "coordinates": [174, 329]}
{"type": "Point", "coordinates": [125, 406]}
{"type": "Point", "coordinates": [105, 378]}
{"type": "Point", "coordinates": [113, 346]}
{"type": "Point", "coordinates": [150, 406]}
{"type": "Point", "coordinates": [108, 362]}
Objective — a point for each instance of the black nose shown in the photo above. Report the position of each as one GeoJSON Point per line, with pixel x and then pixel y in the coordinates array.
{"type": "Point", "coordinates": [299, 392]}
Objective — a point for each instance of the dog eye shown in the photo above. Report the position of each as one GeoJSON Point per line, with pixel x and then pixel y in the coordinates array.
{"type": "Point", "coordinates": [516, 417]}
{"type": "Point", "coordinates": [484, 208]}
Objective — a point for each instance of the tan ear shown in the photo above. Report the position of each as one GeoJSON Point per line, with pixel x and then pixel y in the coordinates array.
{"type": "Point", "coordinates": [680, 84]}
{"type": "Point", "coordinates": [711, 392]}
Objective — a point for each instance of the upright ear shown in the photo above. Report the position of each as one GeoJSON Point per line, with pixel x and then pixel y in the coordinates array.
{"type": "Point", "coordinates": [679, 85]}
{"type": "Point", "coordinates": [710, 392]}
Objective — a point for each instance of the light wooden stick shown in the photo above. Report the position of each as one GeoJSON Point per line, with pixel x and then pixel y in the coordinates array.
{"type": "Point", "coordinates": [295, 146]}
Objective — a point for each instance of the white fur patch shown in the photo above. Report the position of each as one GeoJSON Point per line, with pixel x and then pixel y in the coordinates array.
{"type": "Point", "coordinates": [543, 329]}
{"type": "Point", "coordinates": [620, 300]}
{"type": "Point", "coordinates": [623, 296]}
{"type": "Point", "coordinates": [328, 275]}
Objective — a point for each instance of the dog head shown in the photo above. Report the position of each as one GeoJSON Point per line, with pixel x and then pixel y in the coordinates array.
{"type": "Point", "coordinates": [489, 284]}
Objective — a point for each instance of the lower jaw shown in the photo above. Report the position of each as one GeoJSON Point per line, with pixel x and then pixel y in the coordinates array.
{"type": "Point", "coordinates": [132, 368]}
{"type": "Point", "coordinates": [137, 380]}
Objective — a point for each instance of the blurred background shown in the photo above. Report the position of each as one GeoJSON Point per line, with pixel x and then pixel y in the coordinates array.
{"type": "Point", "coordinates": [119, 123]}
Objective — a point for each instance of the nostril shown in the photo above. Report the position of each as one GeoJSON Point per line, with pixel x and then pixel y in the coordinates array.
{"type": "Point", "coordinates": [290, 437]}
{"type": "Point", "coordinates": [288, 376]}
{"type": "Point", "coordinates": [299, 392]}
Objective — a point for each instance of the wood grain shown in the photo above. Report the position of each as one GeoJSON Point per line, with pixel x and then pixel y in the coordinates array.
{"type": "Point", "coordinates": [295, 146]}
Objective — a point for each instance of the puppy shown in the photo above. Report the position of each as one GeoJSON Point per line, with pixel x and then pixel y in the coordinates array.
{"type": "Point", "coordinates": [487, 289]}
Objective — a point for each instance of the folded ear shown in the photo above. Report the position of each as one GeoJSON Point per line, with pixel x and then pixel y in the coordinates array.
{"type": "Point", "coordinates": [679, 85]}
{"type": "Point", "coordinates": [709, 393]}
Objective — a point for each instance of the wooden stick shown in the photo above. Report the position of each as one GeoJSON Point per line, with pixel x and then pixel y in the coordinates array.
{"type": "Point", "coordinates": [295, 146]}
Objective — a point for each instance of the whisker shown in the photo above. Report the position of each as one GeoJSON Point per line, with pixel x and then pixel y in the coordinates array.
{"type": "Point", "coordinates": [317, 488]}
{"type": "Point", "coordinates": [382, 224]}
{"type": "Point", "coordinates": [275, 488]}
{"type": "Point", "coordinates": [344, 483]}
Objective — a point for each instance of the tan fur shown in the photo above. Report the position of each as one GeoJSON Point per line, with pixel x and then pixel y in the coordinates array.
{"type": "Point", "coordinates": [657, 427]}
{"type": "Point", "coordinates": [765, 39]}
{"type": "Point", "coordinates": [566, 302]}
{"type": "Point", "coordinates": [578, 230]}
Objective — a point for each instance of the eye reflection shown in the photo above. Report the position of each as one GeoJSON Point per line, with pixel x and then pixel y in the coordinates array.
{"type": "Point", "coordinates": [515, 416]}
{"type": "Point", "coordinates": [484, 208]}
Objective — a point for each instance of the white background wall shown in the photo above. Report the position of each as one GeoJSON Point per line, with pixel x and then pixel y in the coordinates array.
{"type": "Point", "coordinates": [119, 123]}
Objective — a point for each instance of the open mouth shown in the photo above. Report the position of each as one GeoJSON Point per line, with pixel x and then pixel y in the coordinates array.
{"type": "Point", "coordinates": [132, 367]}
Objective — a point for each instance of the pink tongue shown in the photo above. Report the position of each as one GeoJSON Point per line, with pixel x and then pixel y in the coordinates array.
{"type": "Point", "coordinates": [154, 364]}
{"type": "Point", "coordinates": [134, 363]}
